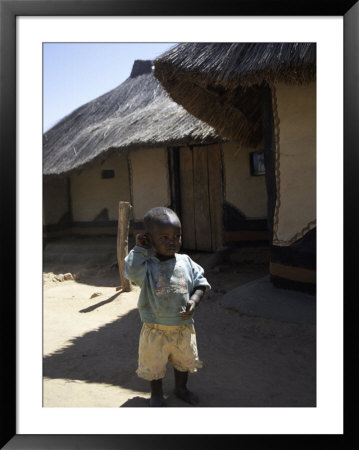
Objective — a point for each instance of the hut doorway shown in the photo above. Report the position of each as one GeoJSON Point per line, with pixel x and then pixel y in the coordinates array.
{"type": "Point", "coordinates": [201, 193]}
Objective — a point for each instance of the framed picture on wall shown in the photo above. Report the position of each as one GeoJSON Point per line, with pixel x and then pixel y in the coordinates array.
{"type": "Point", "coordinates": [257, 163]}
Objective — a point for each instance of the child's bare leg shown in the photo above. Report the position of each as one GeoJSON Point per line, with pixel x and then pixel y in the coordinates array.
{"type": "Point", "coordinates": [156, 393]}
{"type": "Point", "coordinates": [181, 390]}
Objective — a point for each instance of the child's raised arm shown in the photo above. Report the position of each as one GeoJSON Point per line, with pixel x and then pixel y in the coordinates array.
{"type": "Point", "coordinates": [136, 260]}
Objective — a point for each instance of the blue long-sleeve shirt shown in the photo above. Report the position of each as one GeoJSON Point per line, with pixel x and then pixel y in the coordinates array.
{"type": "Point", "coordinates": [166, 286]}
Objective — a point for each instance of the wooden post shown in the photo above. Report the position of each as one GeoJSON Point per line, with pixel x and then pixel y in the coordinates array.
{"type": "Point", "coordinates": [122, 242]}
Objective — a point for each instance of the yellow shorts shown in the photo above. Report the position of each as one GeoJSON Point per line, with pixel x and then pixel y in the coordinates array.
{"type": "Point", "coordinates": [160, 344]}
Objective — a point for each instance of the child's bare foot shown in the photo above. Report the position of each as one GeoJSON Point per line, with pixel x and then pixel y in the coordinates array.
{"type": "Point", "coordinates": [187, 396]}
{"type": "Point", "coordinates": [157, 400]}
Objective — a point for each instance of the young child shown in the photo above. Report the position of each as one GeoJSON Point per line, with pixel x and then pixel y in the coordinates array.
{"type": "Point", "coordinates": [172, 285]}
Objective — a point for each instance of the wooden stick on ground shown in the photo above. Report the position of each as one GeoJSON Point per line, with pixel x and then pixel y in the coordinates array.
{"type": "Point", "coordinates": [122, 241]}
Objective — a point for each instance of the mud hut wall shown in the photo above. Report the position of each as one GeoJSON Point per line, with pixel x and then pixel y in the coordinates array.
{"type": "Point", "coordinates": [296, 178]}
{"type": "Point", "coordinates": [55, 200]}
{"type": "Point", "coordinates": [243, 191]}
{"type": "Point", "coordinates": [92, 192]}
{"type": "Point", "coordinates": [245, 196]}
{"type": "Point", "coordinates": [149, 180]}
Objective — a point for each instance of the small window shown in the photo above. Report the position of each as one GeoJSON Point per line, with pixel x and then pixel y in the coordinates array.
{"type": "Point", "coordinates": [108, 174]}
{"type": "Point", "coordinates": [257, 163]}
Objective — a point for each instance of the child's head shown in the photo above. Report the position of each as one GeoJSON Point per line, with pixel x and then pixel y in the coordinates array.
{"type": "Point", "coordinates": [164, 230]}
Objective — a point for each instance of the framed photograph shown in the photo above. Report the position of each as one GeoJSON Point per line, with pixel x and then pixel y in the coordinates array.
{"type": "Point", "coordinates": [24, 27]}
{"type": "Point", "coordinates": [257, 163]}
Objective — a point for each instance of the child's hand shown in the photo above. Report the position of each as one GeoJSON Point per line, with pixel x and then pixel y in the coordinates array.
{"type": "Point", "coordinates": [192, 303]}
{"type": "Point", "coordinates": [190, 307]}
{"type": "Point", "coordinates": [143, 240]}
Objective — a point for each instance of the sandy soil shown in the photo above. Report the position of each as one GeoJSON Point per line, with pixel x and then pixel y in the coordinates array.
{"type": "Point", "coordinates": [91, 332]}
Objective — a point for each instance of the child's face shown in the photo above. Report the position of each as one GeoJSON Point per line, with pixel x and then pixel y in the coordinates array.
{"type": "Point", "coordinates": [166, 237]}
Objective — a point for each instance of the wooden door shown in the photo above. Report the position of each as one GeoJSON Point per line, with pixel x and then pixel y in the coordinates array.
{"type": "Point", "coordinates": [201, 197]}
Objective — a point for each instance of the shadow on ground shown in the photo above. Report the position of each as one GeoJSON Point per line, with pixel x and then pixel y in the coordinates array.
{"type": "Point", "coordinates": [136, 402]}
{"type": "Point", "coordinates": [170, 400]}
{"type": "Point", "coordinates": [101, 303]}
{"type": "Point", "coordinates": [106, 355]}
{"type": "Point", "coordinates": [248, 362]}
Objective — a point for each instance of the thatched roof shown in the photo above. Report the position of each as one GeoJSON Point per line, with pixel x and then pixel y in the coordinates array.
{"type": "Point", "coordinates": [219, 82]}
{"type": "Point", "coordinates": [138, 113]}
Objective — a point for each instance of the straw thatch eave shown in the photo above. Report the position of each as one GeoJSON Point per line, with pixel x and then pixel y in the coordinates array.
{"type": "Point", "coordinates": [138, 113]}
{"type": "Point", "coordinates": [220, 83]}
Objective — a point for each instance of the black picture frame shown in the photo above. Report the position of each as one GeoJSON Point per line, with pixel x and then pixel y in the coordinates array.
{"type": "Point", "coordinates": [9, 10]}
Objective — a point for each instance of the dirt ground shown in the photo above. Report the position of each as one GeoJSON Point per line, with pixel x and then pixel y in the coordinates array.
{"type": "Point", "coordinates": [91, 331]}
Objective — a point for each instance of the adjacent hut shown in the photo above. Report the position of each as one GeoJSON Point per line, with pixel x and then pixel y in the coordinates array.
{"type": "Point", "coordinates": [136, 144]}
{"type": "Point", "coordinates": [253, 93]}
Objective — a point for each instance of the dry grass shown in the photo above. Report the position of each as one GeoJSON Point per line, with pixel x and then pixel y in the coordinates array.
{"type": "Point", "coordinates": [137, 113]}
{"type": "Point", "coordinates": [220, 82]}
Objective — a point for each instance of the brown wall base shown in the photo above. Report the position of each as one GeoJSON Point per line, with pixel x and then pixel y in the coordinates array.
{"type": "Point", "coordinates": [244, 235]}
{"type": "Point", "coordinates": [292, 273]}
{"type": "Point", "coordinates": [56, 234]}
{"type": "Point", "coordinates": [111, 231]}
{"type": "Point", "coordinates": [228, 236]}
{"type": "Point", "coordinates": [284, 283]}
